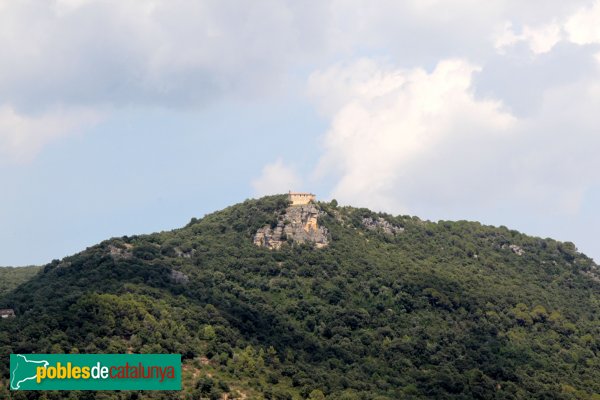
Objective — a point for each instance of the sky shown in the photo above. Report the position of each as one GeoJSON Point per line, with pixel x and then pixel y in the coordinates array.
{"type": "Point", "coordinates": [121, 117]}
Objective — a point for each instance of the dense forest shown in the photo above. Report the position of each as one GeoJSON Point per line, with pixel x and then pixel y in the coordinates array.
{"type": "Point", "coordinates": [446, 310]}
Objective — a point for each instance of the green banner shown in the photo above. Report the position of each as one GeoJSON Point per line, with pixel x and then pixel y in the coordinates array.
{"type": "Point", "coordinates": [95, 372]}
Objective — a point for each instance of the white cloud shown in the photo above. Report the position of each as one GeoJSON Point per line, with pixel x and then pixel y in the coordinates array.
{"type": "Point", "coordinates": [276, 178]}
{"type": "Point", "coordinates": [583, 27]}
{"type": "Point", "coordinates": [22, 136]}
{"type": "Point", "coordinates": [181, 53]}
{"type": "Point", "coordinates": [540, 39]}
{"type": "Point", "coordinates": [408, 140]}
{"type": "Point", "coordinates": [580, 26]}
{"type": "Point", "coordinates": [391, 119]}
{"type": "Point", "coordinates": [185, 54]}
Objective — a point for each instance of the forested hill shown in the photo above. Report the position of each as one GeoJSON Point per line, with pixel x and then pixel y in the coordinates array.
{"type": "Point", "coordinates": [11, 277]}
{"type": "Point", "coordinates": [392, 307]}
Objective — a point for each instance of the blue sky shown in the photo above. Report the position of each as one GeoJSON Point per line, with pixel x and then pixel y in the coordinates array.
{"type": "Point", "coordinates": [127, 117]}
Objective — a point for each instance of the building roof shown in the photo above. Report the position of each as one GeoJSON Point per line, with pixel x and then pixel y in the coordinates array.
{"type": "Point", "coordinates": [301, 193]}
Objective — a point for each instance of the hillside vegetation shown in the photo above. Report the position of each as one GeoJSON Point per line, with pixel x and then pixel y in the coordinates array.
{"type": "Point", "coordinates": [447, 310]}
{"type": "Point", "coordinates": [11, 277]}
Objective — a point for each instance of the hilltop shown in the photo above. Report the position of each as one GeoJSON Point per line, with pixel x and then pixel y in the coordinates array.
{"type": "Point", "coordinates": [373, 307]}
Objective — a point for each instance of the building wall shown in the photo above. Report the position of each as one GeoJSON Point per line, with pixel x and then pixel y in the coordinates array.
{"type": "Point", "coordinates": [301, 198]}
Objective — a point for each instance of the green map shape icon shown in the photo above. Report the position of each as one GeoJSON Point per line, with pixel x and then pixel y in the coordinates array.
{"type": "Point", "coordinates": [23, 369]}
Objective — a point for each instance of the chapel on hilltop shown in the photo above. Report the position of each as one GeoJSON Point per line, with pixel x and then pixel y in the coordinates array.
{"type": "Point", "coordinates": [298, 198]}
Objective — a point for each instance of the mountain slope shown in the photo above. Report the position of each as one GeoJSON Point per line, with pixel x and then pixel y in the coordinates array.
{"type": "Point", "coordinates": [11, 277]}
{"type": "Point", "coordinates": [392, 307]}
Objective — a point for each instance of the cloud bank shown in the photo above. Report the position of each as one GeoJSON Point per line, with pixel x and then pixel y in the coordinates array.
{"type": "Point", "coordinates": [429, 103]}
{"type": "Point", "coordinates": [395, 131]}
{"type": "Point", "coordinates": [105, 55]}
{"type": "Point", "coordinates": [406, 140]}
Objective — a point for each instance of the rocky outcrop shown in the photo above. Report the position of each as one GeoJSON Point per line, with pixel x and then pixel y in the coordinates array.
{"type": "Point", "coordinates": [120, 251]}
{"type": "Point", "coordinates": [593, 272]}
{"type": "Point", "coordinates": [515, 249]}
{"type": "Point", "coordinates": [179, 277]}
{"type": "Point", "coordinates": [185, 254]}
{"type": "Point", "coordinates": [381, 224]}
{"type": "Point", "coordinates": [298, 225]}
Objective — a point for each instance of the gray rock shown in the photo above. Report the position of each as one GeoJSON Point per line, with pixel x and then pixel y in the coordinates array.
{"type": "Point", "coordinates": [120, 252]}
{"type": "Point", "coordinates": [179, 277]}
{"type": "Point", "coordinates": [382, 224]}
{"type": "Point", "coordinates": [184, 254]}
{"type": "Point", "coordinates": [516, 249]}
{"type": "Point", "coordinates": [299, 224]}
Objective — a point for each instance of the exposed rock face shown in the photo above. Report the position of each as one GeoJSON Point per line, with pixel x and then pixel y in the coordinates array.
{"type": "Point", "coordinates": [381, 223]}
{"type": "Point", "coordinates": [298, 224]}
{"type": "Point", "coordinates": [184, 254]}
{"type": "Point", "coordinates": [122, 252]}
{"type": "Point", "coordinates": [515, 249]}
{"type": "Point", "coordinates": [593, 273]}
{"type": "Point", "coordinates": [179, 277]}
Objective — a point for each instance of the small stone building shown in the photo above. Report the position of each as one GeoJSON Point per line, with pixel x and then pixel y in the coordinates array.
{"type": "Point", "coordinates": [298, 198]}
{"type": "Point", "coordinates": [7, 313]}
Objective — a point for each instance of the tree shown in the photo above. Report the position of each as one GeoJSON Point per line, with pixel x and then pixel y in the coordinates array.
{"type": "Point", "coordinates": [316, 395]}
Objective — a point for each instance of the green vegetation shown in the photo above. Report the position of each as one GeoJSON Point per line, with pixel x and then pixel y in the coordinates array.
{"type": "Point", "coordinates": [11, 277]}
{"type": "Point", "coordinates": [452, 310]}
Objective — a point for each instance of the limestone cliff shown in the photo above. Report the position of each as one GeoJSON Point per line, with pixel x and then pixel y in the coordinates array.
{"type": "Point", "coordinates": [298, 224]}
{"type": "Point", "coordinates": [381, 224]}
